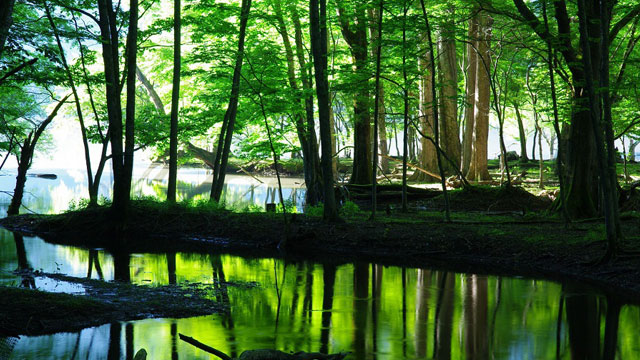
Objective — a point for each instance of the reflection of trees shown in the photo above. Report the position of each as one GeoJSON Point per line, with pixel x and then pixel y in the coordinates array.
{"type": "Point", "coordinates": [222, 295]}
{"type": "Point", "coordinates": [422, 313]}
{"type": "Point", "coordinates": [583, 319]}
{"type": "Point", "coordinates": [376, 290]}
{"type": "Point", "coordinates": [361, 293]}
{"type": "Point", "coordinates": [444, 316]}
{"type": "Point", "coordinates": [475, 315]}
{"type": "Point", "coordinates": [612, 323]}
{"type": "Point", "coordinates": [114, 341]}
{"type": "Point", "coordinates": [121, 271]}
{"type": "Point", "coordinates": [94, 261]}
{"type": "Point", "coordinates": [23, 264]}
{"type": "Point", "coordinates": [171, 267]}
{"type": "Point", "coordinates": [174, 340]}
{"type": "Point", "coordinates": [128, 335]}
{"type": "Point", "coordinates": [329, 280]}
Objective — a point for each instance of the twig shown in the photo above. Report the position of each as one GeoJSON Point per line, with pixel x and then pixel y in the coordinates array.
{"type": "Point", "coordinates": [204, 347]}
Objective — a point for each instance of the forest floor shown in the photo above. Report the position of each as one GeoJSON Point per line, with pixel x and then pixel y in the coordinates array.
{"type": "Point", "coordinates": [33, 312]}
{"type": "Point", "coordinates": [492, 231]}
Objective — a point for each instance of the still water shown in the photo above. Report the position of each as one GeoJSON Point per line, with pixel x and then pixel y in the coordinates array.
{"type": "Point", "coordinates": [373, 311]}
{"type": "Point", "coordinates": [240, 191]}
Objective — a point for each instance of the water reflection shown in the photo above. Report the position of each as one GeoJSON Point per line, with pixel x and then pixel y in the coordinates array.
{"type": "Point", "coordinates": [48, 196]}
{"type": "Point", "coordinates": [375, 312]}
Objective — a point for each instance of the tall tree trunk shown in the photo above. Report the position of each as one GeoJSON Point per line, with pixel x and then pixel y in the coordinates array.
{"type": "Point", "coordinates": [428, 157]}
{"type": "Point", "coordinates": [355, 34]}
{"type": "Point", "coordinates": [85, 143]}
{"type": "Point", "coordinates": [478, 168]}
{"type": "Point", "coordinates": [110, 57]}
{"type": "Point", "coordinates": [129, 138]}
{"type": "Point", "coordinates": [6, 20]}
{"type": "Point", "coordinates": [470, 93]}
{"type": "Point", "coordinates": [448, 75]}
{"type": "Point", "coordinates": [318, 29]}
{"type": "Point", "coordinates": [522, 134]}
{"type": "Point", "coordinates": [314, 179]}
{"type": "Point", "coordinates": [632, 150]}
{"type": "Point", "coordinates": [376, 39]}
{"type": "Point", "coordinates": [310, 160]}
{"type": "Point", "coordinates": [175, 98]}
{"type": "Point", "coordinates": [228, 123]}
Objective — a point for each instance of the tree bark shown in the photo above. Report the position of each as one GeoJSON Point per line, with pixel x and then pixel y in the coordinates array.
{"type": "Point", "coordinates": [318, 29]}
{"type": "Point", "coordinates": [470, 94]}
{"type": "Point", "coordinates": [355, 34]}
{"type": "Point", "coordinates": [110, 56]}
{"type": "Point", "coordinates": [129, 139]}
{"type": "Point", "coordinates": [175, 105]}
{"type": "Point", "coordinates": [522, 134]}
{"type": "Point", "coordinates": [478, 168]}
{"type": "Point", "coordinates": [428, 158]}
{"type": "Point", "coordinates": [6, 20]}
{"type": "Point", "coordinates": [450, 138]}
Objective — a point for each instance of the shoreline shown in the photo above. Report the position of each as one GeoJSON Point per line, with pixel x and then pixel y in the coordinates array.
{"type": "Point", "coordinates": [512, 245]}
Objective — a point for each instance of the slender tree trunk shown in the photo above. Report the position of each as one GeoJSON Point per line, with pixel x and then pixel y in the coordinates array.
{"type": "Point", "coordinates": [478, 168]}
{"type": "Point", "coordinates": [632, 150]}
{"type": "Point", "coordinates": [85, 143]}
{"type": "Point", "coordinates": [132, 59]}
{"type": "Point", "coordinates": [228, 123]}
{"type": "Point", "coordinates": [405, 123]}
{"type": "Point", "coordinates": [318, 28]}
{"type": "Point", "coordinates": [175, 98]}
{"type": "Point", "coordinates": [522, 134]}
{"type": "Point", "coordinates": [26, 155]}
{"type": "Point", "coordinates": [470, 94]}
{"type": "Point", "coordinates": [377, 41]}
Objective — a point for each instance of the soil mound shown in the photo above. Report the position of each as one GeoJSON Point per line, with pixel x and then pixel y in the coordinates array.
{"type": "Point", "coordinates": [490, 199]}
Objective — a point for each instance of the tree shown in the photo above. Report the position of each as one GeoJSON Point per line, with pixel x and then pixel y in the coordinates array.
{"type": "Point", "coordinates": [470, 92]}
{"type": "Point", "coordinates": [478, 168]}
{"type": "Point", "coordinates": [355, 34]}
{"type": "Point", "coordinates": [448, 76]}
{"type": "Point", "coordinates": [580, 198]}
{"type": "Point", "coordinates": [175, 97]}
{"type": "Point", "coordinates": [24, 154]}
{"type": "Point", "coordinates": [228, 123]}
{"type": "Point", "coordinates": [318, 29]}
{"type": "Point", "coordinates": [305, 127]}
{"type": "Point", "coordinates": [6, 20]}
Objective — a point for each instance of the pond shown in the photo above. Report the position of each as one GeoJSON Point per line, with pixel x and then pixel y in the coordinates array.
{"type": "Point", "coordinates": [374, 311]}
{"type": "Point", "coordinates": [44, 195]}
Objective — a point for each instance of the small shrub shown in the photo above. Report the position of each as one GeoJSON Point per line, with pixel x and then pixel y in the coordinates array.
{"type": "Point", "coordinates": [349, 209]}
{"type": "Point", "coordinates": [316, 210]}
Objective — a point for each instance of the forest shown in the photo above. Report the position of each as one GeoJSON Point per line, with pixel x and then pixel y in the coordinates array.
{"type": "Point", "coordinates": [468, 132]}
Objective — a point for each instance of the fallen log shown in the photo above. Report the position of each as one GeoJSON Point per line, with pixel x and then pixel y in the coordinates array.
{"type": "Point", "coordinates": [263, 354]}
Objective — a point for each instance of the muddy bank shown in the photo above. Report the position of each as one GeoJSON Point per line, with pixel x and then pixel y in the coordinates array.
{"type": "Point", "coordinates": [512, 243]}
{"type": "Point", "coordinates": [33, 312]}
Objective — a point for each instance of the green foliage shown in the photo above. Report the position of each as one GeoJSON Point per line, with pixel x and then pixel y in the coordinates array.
{"type": "Point", "coordinates": [350, 209]}
{"type": "Point", "coordinates": [315, 211]}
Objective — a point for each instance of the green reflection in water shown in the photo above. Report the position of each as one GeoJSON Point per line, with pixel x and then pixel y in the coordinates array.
{"type": "Point", "coordinates": [374, 311]}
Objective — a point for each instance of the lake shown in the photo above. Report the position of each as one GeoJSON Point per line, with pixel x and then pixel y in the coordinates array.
{"type": "Point", "coordinates": [373, 311]}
